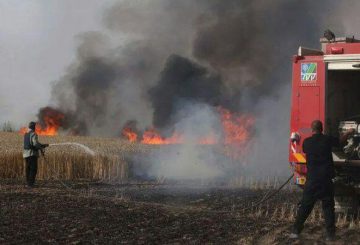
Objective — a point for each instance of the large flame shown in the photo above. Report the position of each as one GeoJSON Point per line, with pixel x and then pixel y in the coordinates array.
{"type": "Point", "coordinates": [236, 130]}
{"type": "Point", "coordinates": [51, 121]}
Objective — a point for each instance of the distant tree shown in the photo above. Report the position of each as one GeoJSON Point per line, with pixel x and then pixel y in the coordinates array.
{"type": "Point", "coordinates": [7, 127]}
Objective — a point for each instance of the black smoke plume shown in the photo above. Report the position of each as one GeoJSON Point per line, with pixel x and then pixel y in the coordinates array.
{"type": "Point", "coordinates": [230, 53]}
{"type": "Point", "coordinates": [183, 80]}
{"type": "Point", "coordinates": [49, 116]}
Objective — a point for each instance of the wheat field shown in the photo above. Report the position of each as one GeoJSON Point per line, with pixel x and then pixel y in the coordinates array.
{"type": "Point", "coordinates": [67, 160]}
{"type": "Point", "coordinates": [70, 162]}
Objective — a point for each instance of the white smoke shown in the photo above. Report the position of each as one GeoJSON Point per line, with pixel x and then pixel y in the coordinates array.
{"type": "Point", "coordinates": [189, 160]}
{"type": "Point", "coordinates": [269, 151]}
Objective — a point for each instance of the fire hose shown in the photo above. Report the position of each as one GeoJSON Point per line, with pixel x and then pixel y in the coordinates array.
{"type": "Point", "coordinates": [269, 194]}
{"type": "Point", "coordinates": [85, 148]}
{"type": "Point", "coordinates": [56, 175]}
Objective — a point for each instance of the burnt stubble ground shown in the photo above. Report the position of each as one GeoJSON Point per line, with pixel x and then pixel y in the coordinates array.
{"type": "Point", "coordinates": [98, 213]}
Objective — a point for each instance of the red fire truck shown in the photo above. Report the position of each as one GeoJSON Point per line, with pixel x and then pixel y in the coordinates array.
{"type": "Point", "coordinates": [326, 86]}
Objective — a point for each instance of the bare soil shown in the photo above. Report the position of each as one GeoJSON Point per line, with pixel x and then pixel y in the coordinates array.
{"type": "Point", "coordinates": [97, 213]}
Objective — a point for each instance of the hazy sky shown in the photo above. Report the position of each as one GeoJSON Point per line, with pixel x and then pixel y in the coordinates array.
{"type": "Point", "coordinates": [38, 40]}
{"type": "Point", "coordinates": [37, 43]}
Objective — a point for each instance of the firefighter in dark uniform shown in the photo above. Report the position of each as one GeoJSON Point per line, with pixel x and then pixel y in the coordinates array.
{"type": "Point", "coordinates": [319, 184]}
{"type": "Point", "coordinates": [31, 154]}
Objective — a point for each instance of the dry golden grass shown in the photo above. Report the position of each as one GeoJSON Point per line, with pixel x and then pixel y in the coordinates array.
{"type": "Point", "coordinates": [70, 161]}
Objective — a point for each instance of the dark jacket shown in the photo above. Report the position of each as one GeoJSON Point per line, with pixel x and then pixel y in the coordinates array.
{"type": "Point", "coordinates": [319, 160]}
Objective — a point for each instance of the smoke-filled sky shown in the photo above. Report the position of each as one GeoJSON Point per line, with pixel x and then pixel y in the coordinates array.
{"type": "Point", "coordinates": [39, 39]}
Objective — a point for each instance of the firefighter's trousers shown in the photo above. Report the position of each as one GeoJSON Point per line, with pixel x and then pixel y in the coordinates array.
{"type": "Point", "coordinates": [313, 191]}
{"type": "Point", "coordinates": [31, 169]}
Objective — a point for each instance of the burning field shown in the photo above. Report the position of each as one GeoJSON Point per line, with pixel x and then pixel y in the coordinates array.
{"type": "Point", "coordinates": [211, 152]}
{"type": "Point", "coordinates": [200, 99]}
{"type": "Point", "coordinates": [110, 193]}
{"type": "Point", "coordinates": [168, 125]}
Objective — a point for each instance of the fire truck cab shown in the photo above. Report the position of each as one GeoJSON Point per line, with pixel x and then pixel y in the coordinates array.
{"type": "Point", "coordinates": [326, 86]}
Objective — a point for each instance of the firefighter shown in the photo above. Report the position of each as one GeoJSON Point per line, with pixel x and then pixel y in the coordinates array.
{"type": "Point", "coordinates": [31, 154]}
{"type": "Point", "coordinates": [319, 184]}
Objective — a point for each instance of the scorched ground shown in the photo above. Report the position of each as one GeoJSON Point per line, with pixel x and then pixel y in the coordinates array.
{"type": "Point", "coordinates": [151, 214]}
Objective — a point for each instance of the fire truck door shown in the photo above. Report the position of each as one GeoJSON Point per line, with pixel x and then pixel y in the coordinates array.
{"type": "Point", "coordinates": [309, 108]}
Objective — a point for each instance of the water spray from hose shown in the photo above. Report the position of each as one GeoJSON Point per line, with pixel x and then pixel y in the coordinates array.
{"type": "Point", "coordinates": [84, 147]}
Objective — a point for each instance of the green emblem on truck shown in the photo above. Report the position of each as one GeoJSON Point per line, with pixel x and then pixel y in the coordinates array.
{"type": "Point", "coordinates": [308, 72]}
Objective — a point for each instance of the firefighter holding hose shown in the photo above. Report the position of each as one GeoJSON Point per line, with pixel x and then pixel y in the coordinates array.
{"type": "Point", "coordinates": [319, 184]}
{"type": "Point", "coordinates": [31, 154]}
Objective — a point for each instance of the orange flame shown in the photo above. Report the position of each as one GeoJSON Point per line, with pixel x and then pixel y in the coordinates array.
{"type": "Point", "coordinates": [129, 134]}
{"type": "Point", "coordinates": [154, 138]}
{"type": "Point", "coordinates": [52, 125]}
{"type": "Point", "coordinates": [236, 130]}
